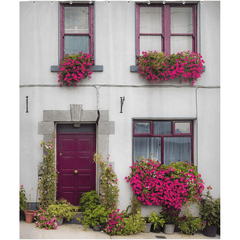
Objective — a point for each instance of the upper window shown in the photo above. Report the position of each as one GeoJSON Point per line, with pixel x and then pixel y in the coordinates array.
{"type": "Point", "coordinates": [76, 29]}
{"type": "Point", "coordinates": [167, 141]}
{"type": "Point", "coordinates": [168, 28]}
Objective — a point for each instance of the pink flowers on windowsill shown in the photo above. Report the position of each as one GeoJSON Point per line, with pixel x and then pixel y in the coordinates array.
{"type": "Point", "coordinates": [168, 186]}
{"type": "Point", "coordinates": [159, 67]}
{"type": "Point", "coordinates": [75, 67]}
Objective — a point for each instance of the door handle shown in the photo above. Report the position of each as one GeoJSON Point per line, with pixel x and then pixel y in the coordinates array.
{"type": "Point", "coordinates": [76, 171]}
{"type": "Point", "coordinates": [60, 154]}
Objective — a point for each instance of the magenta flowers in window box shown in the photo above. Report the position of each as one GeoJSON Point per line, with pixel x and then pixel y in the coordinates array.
{"type": "Point", "coordinates": [170, 186]}
{"type": "Point", "coordinates": [159, 67]}
{"type": "Point", "coordinates": [75, 67]}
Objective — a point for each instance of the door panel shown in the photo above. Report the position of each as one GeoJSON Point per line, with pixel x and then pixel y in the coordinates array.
{"type": "Point", "coordinates": [77, 170]}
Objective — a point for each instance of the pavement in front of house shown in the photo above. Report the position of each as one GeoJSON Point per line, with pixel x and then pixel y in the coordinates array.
{"type": "Point", "coordinates": [76, 231]}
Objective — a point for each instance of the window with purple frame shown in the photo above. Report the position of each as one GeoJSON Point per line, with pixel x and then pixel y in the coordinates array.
{"type": "Point", "coordinates": [167, 141]}
{"type": "Point", "coordinates": [168, 28]}
{"type": "Point", "coordinates": [76, 29]}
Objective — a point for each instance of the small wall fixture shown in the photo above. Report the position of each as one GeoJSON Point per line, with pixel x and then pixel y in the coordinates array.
{"type": "Point", "coordinates": [27, 104]}
{"type": "Point", "coordinates": [122, 101]}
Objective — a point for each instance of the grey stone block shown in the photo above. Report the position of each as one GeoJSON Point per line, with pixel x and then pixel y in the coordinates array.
{"type": "Point", "coordinates": [76, 110]}
{"type": "Point", "coordinates": [47, 138]}
{"type": "Point", "coordinates": [45, 127]}
{"type": "Point", "coordinates": [104, 116]}
{"type": "Point", "coordinates": [89, 116]}
{"type": "Point", "coordinates": [56, 115]}
{"type": "Point", "coordinates": [106, 127]}
{"type": "Point", "coordinates": [103, 145]}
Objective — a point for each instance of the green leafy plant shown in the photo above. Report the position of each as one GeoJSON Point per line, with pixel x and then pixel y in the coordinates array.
{"type": "Point", "coordinates": [136, 205]}
{"type": "Point", "coordinates": [156, 220]}
{"type": "Point", "coordinates": [63, 210]}
{"type": "Point", "coordinates": [210, 209]}
{"type": "Point", "coordinates": [22, 198]}
{"type": "Point", "coordinates": [189, 225]}
{"type": "Point", "coordinates": [109, 183]}
{"type": "Point", "coordinates": [89, 200]}
{"type": "Point", "coordinates": [118, 224]}
{"type": "Point", "coordinates": [170, 215]}
{"type": "Point", "coordinates": [47, 184]}
{"type": "Point", "coordinates": [93, 217]}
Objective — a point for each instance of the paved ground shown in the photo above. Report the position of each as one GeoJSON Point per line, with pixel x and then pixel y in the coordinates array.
{"type": "Point", "coordinates": [75, 231]}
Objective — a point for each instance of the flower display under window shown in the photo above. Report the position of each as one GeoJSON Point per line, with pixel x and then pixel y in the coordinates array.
{"type": "Point", "coordinates": [170, 186]}
{"type": "Point", "coordinates": [75, 67]}
{"type": "Point", "coordinates": [159, 67]}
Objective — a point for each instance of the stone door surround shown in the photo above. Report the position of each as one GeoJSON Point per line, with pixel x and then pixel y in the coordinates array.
{"type": "Point", "coordinates": [76, 115]}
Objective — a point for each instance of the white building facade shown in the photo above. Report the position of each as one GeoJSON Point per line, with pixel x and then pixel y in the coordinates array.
{"type": "Point", "coordinates": [95, 104]}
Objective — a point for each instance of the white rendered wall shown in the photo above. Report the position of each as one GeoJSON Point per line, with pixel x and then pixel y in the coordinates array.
{"type": "Point", "coordinates": [115, 50]}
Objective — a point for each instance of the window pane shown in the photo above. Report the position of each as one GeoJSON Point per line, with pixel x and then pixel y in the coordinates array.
{"type": "Point", "coordinates": [162, 128]}
{"type": "Point", "coordinates": [181, 43]}
{"type": "Point", "coordinates": [177, 149]}
{"type": "Point", "coordinates": [76, 19]}
{"type": "Point", "coordinates": [142, 127]}
{"type": "Point", "coordinates": [150, 43]}
{"type": "Point", "coordinates": [76, 44]}
{"type": "Point", "coordinates": [150, 20]}
{"type": "Point", "coordinates": [182, 127]}
{"type": "Point", "coordinates": [181, 20]}
{"type": "Point", "coordinates": [145, 146]}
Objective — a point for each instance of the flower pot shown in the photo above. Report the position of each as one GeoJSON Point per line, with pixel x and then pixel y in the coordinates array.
{"type": "Point", "coordinates": [60, 221]}
{"type": "Point", "coordinates": [210, 231]}
{"type": "Point", "coordinates": [169, 228]}
{"type": "Point", "coordinates": [148, 227]}
{"type": "Point", "coordinates": [29, 216]}
{"type": "Point", "coordinates": [96, 227]}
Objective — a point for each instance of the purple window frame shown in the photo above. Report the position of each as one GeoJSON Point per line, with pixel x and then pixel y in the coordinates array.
{"type": "Point", "coordinates": [166, 26]}
{"type": "Point", "coordinates": [173, 134]}
{"type": "Point", "coordinates": [91, 28]}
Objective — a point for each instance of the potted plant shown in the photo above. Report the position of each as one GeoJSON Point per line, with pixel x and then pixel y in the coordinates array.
{"type": "Point", "coordinates": [62, 210]}
{"type": "Point", "coordinates": [148, 224]}
{"type": "Point", "coordinates": [29, 213]}
{"type": "Point", "coordinates": [189, 225]}
{"type": "Point", "coordinates": [171, 217]}
{"type": "Point", "coordinates": [157, 221]}
{"type": "Point", "coordinates": [95, 217]}
{"type": "Point", "coordinates": [210, 213]}
{"type": "Point", "coordinates": [22, 202]}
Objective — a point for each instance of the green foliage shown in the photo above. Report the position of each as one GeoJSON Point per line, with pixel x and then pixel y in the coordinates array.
{"type": "Point", "coordinates": [109, 184]}
{"type": "Point", "coordinates": [43, 219]}
{"type": "Point", "coordinates": [22, 198]}
{"type": "Point", "coordinates": [89, 200]}
{"type": "Point", "coordinates": [189, 225]}
{"type": "Point", "coordinates": [156, 220]}
{"type": "Point", "coordinates": [98, 215]}
{"type": "Point", "coordinates": [48, 182]}
{"type": "Point", "coordinates": [63, 210]}
{"type": "Point", "coordinates": [170, 215]}
{"type": "Point", "coordinates": [136, 205]}
{"type": "Point", "coordinates": [210, 209]}
{"type": "Point", "coordinates": [133, 224]}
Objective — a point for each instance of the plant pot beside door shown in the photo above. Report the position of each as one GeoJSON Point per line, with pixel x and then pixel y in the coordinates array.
{"type": "Point", "coordinates": [148, 227]}
{"type": "Point", "coordinates": [29, 216]}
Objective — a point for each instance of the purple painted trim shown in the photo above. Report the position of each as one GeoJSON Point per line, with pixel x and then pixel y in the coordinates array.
{"type": "Point", "coordinates": [173, 134]}
{"type": "Point", "coordinates": [166, 26]}
{"type": "Point", "coordinates": [91, 28]}
{"type": "Point", "coordinates": [76, 133]}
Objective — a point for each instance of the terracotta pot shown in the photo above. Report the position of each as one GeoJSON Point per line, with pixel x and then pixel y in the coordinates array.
{"type": "Point", "coordinates": [29, 216]}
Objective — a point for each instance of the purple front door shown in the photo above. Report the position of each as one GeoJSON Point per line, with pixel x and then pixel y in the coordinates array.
{"type": "Point", "coordinates": [77, 170]}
